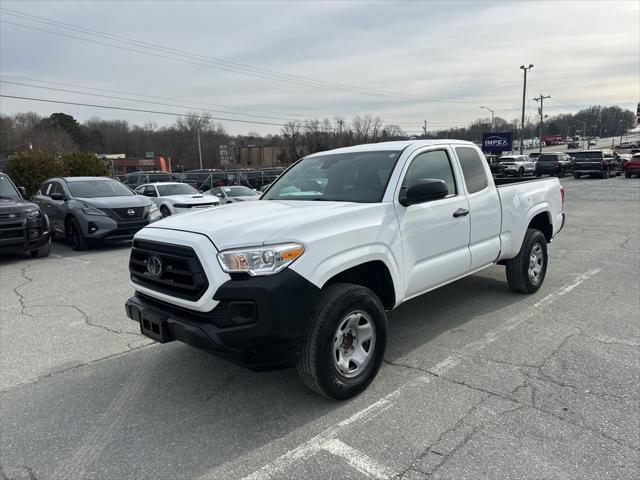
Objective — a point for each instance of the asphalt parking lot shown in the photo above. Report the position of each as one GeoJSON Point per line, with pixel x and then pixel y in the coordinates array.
{"type": "Point", "coordinates": [479, 382]}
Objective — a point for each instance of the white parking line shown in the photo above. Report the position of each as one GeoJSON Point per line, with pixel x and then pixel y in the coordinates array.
{"type": "Point", "coordinates": [358, 460]}
{"type": "Point", "coordinates": [327, 440]}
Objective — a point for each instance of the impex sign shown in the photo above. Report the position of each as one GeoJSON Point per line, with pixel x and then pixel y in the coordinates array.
{"type": "Point", "coordinates": [497, 142]}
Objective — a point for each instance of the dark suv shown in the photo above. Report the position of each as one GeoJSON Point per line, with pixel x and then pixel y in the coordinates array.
{"type": "Point", "coordinates": [23, 226]}
{"type": "Point", "coordinates": [553, 163]}
{"type": "Point", "coordinates": [87, 209]}
{"type": "Point", "coordinates": [134, 179]}
{"type": "Point", "coordinates": [600, 163]}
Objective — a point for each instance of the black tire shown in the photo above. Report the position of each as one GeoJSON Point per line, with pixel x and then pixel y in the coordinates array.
{"type": "Point", "coordinates": [561, 173]}
{"type": "Point", "coordinates": [164, 210]}
{"type": "Point", "coordinates": [75, 235]}
{"type": "Point", "coordinates": [576, 175]}
{"type": "Point", "coordinates": [605, 174]}
{"type": "Point", "coordinates": [520, 172]}
{"type": "Point", "coordinates": [43, 251]}
{"type": "Point", "coordinates": [618, 173]}
{"type": "Point", "coordinates": [627, 174]}
{"type": "Point", "coordinates": [538, 174]}
{"type": "Point", "coordinates": [316, 365]}
{"type": "Point", "coordinates": [518, 267]}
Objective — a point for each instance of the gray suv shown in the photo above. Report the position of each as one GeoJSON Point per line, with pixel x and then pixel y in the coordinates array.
{"type": "Point", "coordinates": [88, 209]}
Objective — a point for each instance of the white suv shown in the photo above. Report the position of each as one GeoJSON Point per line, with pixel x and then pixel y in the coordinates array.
{"type": "Point", "coordinates": [517, 165]}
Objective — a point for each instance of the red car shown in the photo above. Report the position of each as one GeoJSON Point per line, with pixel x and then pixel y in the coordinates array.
{"type": "Point", "coordinates": [633, 166]}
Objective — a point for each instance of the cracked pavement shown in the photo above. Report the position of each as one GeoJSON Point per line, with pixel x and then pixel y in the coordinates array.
{"type": "Point", "coordinates": [478, 382]}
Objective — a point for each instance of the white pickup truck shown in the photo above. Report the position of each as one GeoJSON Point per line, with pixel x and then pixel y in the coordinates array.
{"type": "Point", "coordinates": [304, 276]}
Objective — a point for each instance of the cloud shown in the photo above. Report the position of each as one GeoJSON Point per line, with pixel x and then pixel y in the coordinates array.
{"type": "Point", "coordinates": [467, 52]}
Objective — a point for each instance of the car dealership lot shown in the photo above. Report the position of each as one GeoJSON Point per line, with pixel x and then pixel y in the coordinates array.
{"type": "Point", "coordinates": [478, 381]}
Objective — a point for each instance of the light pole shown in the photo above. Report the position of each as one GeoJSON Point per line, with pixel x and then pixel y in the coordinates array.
{"type": "Point", "coordinates": [524, 94]}
{"type": "Point", "coordinates": [584, 133]}
{"type": "Point", "coordinates": [621, 130]}
{"type": "Point", "coordinates": [492, 113]}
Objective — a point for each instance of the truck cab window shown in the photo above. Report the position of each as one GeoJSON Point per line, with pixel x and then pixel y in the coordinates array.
{"type": "Point", "coordinates": [434, 164]}
{"type": "Point", "coordinates": [472, 168]}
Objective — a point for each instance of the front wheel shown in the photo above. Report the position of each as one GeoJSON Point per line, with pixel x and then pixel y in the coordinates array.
{"type": "Point", "coordinates": [605, 174]}
{"type": "Point", "coordinates": [526, 272]}
{"type": "Point", "coordinates": [75, 235]}
{"type": "Point", "coordinates": [520, 172]}
{"type": "Point", "coordinates": [43, 251]}
{"type": "Point", "coordinates": [164, 210]}
{"type": "Point", "coordinates": [345, 342]}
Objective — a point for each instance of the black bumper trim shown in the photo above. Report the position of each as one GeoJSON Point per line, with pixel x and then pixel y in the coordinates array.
{"type": "Point", "coordinates": [266, 335]}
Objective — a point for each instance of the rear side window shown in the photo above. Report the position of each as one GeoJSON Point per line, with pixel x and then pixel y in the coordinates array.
{"type": "Point", "coordinates": [434, 164]}
{"type": "Point", "coordinates": [472, 168]}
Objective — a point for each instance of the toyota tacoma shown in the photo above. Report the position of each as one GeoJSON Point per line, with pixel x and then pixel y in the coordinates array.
{"type": "Point", "coordinates": [305, 275]}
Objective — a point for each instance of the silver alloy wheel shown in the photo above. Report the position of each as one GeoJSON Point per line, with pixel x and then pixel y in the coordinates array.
{"type": "Point", "coordinates": [353, 343]}
{"type": "Point", "coordinates": [535, 263]}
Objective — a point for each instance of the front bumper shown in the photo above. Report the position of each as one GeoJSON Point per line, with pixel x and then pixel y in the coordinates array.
{"type": "Point", "coordinates": [258, 323]}
{"type": "Point", "coordinates": [21, 236]}
{"type": "Point", "coordinates": [104, 228]}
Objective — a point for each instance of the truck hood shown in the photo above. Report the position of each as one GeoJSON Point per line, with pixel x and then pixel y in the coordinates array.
{"type": "Point", "coordinates": [255, 223]}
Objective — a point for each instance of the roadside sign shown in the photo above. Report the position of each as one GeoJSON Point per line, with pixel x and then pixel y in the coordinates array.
{"type": "Point", "coordinates": [497, 142]}
{"type": "Point", "coordinates": [149, 155]}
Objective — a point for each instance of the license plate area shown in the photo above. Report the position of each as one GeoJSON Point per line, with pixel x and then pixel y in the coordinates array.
{"type": "Point", "coordinates": [154, 328]}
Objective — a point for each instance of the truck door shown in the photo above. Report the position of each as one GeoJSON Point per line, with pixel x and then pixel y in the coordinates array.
{"type": "Point", "coordinates": [484, 207]}
{"type": "Point", "coordinates": [435, 234]}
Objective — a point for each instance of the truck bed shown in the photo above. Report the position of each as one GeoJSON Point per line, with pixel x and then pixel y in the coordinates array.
{"type": "Point", "coordinates": [503, 181]}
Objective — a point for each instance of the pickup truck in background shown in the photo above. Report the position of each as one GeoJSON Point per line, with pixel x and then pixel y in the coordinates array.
{"type": "Point", "coordinates": [305, 275]}
{"type": "Point", "coordinates": [596, 163]}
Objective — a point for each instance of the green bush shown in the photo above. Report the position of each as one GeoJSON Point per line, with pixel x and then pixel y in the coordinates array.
{"type": "Point", "coordinates": [30, 168]}
{"type": "Point", "coordinates": [84, 164]}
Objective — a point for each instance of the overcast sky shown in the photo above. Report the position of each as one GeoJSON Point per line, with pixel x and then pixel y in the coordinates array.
{"type": "Point", "coordinates": [402, 61]}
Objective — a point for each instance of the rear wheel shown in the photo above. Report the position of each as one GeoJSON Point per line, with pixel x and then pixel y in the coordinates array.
{"type": "Point", "coordinates": [576, 175]}
{"type": "Point", "coordinates": [344, 345]}
{"type": "Point", "coordinates": [43, 251]}
{"type": "Point", "coordinates": [520, 172]}
{"type": "Point", "coordinates": [164, 210]}
{"type": "Point", "coordinates": [605, 174]}
{"type": "Point", "coordinates": [75, 235]}
{"type": "Point", "coordinates": [627, 174]}
{"type": "Point", "coordinates": [526, 272]}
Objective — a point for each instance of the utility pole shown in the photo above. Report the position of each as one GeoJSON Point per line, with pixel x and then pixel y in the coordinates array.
{"type": "Point", "coordinates": [584, 133]}
{"type": "Point", "coordinates": [541, 99]}
{"type": "Point", "coordinates": [424, 129]}
{"type": "Point", "coordinates": [492, 113]}
{"type": "Point", "coordinates": [524, 96]}
{"type": "Point", "coordinates": [199, 149]}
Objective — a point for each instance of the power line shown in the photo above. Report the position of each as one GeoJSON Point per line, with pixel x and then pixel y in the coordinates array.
{"type": "Point", "coordinates": [178, 55]}
{"type": "Point", "coordinates": [136, 100]}
{"type": "Point", "coordinates": [147, 96]}
{"type": "Point", "coordinates": [137, 110]}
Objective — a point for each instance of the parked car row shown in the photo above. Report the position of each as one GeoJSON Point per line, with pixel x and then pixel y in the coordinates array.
{"type": "Point", "coordinates": [602, 163]}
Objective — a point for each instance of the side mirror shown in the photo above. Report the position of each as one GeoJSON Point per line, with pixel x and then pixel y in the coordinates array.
{"type": "Point", "coordinates": [424, 190]}
{"type": "Point", "coordinates": [23, 192]}
{"type": "Point", "coordinates": [57, 196]}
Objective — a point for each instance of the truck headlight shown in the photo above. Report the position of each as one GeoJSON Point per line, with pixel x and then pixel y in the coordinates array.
{"type": "Point", "coordinates": [264, 260]}
{"type": "Point", "coordinates": [33, 214]}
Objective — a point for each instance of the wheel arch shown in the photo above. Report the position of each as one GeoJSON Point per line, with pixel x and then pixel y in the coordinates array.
{"type": "Point", "coordinates": [374, 275]}
{"type": "Point", "coordinates": [542, 221]}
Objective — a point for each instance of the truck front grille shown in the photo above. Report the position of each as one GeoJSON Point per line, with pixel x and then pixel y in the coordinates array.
{"type": "Point", "coordinates": [180, 273]}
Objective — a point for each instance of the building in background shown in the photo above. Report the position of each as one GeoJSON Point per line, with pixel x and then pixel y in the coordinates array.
{"type": "Point", "coordinates": [119, 164]}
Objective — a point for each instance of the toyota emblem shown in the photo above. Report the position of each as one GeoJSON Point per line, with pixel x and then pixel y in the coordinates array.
{"type": "Point", "coordinates": [154, 266]}
{"type": "Point", "coordinates": [131, 212]}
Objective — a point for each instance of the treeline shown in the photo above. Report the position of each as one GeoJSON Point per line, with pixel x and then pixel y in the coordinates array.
{"type": "Point", "coordinates": [60, 133]}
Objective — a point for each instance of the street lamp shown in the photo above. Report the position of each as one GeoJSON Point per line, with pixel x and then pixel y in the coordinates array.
{"type": "Point", "coordinates": [524, 94]}
{"type": "Point", "coordinates": [492, 112]}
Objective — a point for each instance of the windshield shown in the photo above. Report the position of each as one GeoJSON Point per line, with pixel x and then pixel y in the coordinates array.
{"type": "Point", "coordinates": [98, 188]}
{"type": "Point", "coordinates": [238, 191]}
{"type": "Point", "coordinates": [345, 177]}
{"type": "Point", "coordinates": [176, 189]}
{"type": "Point", "coordinates": [587, 155]}
{"type": "Point", "coordinates": [7, 190]}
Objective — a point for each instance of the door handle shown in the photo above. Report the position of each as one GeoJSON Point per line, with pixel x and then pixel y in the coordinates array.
{"type": "Point", "coordinates": [461, 212]}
